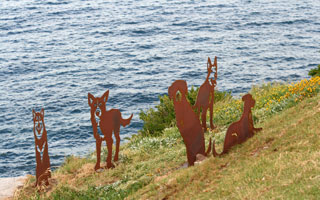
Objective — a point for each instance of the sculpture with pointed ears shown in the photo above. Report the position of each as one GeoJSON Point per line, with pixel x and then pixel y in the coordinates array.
{"type": "Point", "coordinates": [205, 97]}
{"type": "Point", "coordinates": [43, 172]}
{"type": "Point", "coordinates": [109, 121]}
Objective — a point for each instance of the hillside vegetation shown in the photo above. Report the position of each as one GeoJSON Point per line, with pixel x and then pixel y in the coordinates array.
{"type": "Point", "coordinates": [280, 162]}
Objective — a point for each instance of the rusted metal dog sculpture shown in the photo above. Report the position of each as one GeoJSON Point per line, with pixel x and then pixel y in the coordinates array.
{"type": "Point", "coordinates": [41, 147]}
{"type": "Point", "coordinates": [188, 122]}
{"type": "Point", "coordinates": [205, 96]}
{"type": "Point", "coordinates": [109, 121]}
{"type": "Point", "coordinates": [238, 132]}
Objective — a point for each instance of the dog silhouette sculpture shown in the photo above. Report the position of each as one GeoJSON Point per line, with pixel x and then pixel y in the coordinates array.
{"type": "Point", "coordinates": [205, 97]}
{"type": "Point", "coordinates": [109, 121]}
{"type": "Point", "coordinates": [43, 172]}
{"type": "Point", "coordinates": [188, 122]}
{"type": "Point", "coordinates": [238, 132]}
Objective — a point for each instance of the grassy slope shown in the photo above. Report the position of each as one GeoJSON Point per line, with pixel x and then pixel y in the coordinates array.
{"type": "Point", "coordinates": [282, 161]}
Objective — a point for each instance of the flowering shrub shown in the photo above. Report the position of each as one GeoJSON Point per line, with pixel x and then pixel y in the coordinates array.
{"type": "Point", "coordinates": [227, 112]}
{"type": "Point", "coordinates": [270, 98]}
{"type": "Point", "coordinates": [274, 98]}
{"type": "Point", "coordinates": [305, 88]}
{"type": "Point", "coordinates": [155, 120]}
{"type": "Point", "coordinates": [315, 71]}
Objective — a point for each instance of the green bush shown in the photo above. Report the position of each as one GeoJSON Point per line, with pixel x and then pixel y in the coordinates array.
{"type": "Point", "coordinates": [315, 71]}
{"type": "Point", "coordinates": [163, 115]}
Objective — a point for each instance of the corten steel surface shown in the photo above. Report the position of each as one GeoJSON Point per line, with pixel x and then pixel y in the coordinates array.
{"type": "Point", "coordinates": [109, 121]}
{"type": "Point", "coordinates": [238, 132]}
{"type": "Point", "coordinates": [205, 97]}
{"type": "Point", "coordinates": [188, 122]}
{"type": "Point", "coordinates": [41, 147]}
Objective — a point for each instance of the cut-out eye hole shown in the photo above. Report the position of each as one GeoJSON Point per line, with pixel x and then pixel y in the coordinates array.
{"type": "Point", "coordinates": [178, 96]}
{"type": "Point", "coordinates": [100, 104]}
{"type": "Point", "coordinates": [95, 105]}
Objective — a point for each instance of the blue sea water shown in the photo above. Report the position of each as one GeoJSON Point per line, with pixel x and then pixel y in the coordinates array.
{"type": "Point", "coordinates": [52, 53]}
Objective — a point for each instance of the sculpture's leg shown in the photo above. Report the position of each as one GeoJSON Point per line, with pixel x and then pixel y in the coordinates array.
{"type": "Point", "coordinates": [109, 145]}
{"type": "Point", "coordinates": [38, 161]}
{"type": "Point", "coordinates": [190, 157]}
{"type": "Point", "coordinates": [117, 136]}
{"type": "Point", "coordinates": [46, 161]}
{"type": "Point", "coordinates": [203, 119]}
{"type": "Point", "coordinates": [98, 150]}
{"type": "Point", "coordinates": [37, 179]}
{"type": "Point", "coordinates": [211, 112]}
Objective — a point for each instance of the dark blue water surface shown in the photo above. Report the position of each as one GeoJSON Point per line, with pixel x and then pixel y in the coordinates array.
{"type": "Point", "coordinates": [52, 53]}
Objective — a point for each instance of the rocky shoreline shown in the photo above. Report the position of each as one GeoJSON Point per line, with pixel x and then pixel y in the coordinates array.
{"type": "Point", "coordinates": [9, 185]}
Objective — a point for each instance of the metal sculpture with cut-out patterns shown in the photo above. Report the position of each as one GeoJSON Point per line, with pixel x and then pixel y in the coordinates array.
{"type": "Point", "coordinates": [205, 97]}
{"type": "Point", "coordinates": [188, 122]}
{"type": "Point", "coordinates": [109, 121]}
{"type": "Point", "coordinates": [238, 132]}
{"type": "Point", "coordinates": [43, 172]}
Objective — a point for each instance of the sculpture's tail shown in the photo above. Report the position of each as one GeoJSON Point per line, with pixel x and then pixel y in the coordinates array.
{"type": "Point", "coordinates": [214, 152]}
{"type": "Point", "coordinates": [125, 122]}
{"type": "Point", "coordinates": [208, 149]}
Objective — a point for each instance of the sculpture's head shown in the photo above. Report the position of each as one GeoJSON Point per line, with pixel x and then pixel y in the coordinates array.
{"type": "Point", "coordinates": [248, 100]}
{"type": "Point", "coordinates": [178, 85]}
{"type": "Point", "coordinates": [98, 104]}
{"type": "Point", "coordinates": [38, 121]}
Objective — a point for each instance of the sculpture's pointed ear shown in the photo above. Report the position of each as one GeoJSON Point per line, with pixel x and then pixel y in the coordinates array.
{"type": "Point", "coordinates": [42, 112]}
{"type": "Point", "coordinates": [33, 113]}
{"type": "Point", "coordinates": [215, 61]}
{"type": "Point", "coordinates": [105, 96]}
{"type": "Point", "coordinates": [209, 63]}
{"type": "Point", "coordinates": [90, 99]}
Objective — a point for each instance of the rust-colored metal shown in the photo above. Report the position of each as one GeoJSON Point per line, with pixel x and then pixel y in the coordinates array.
{"type": "Point", "coordinates": [43, 172]}
{"type": "Point", "coordinates": [205, 96]}
{"type": "Point", "coordinates": [188, 122]}
{"type": "Point", "coordinates": [238, 132]}
{"type": "Point", "coordinates": [109, 121]}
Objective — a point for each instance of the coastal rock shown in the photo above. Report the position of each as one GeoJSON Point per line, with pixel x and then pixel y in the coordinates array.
{"type": "Point", "coordinates": [9, 185]}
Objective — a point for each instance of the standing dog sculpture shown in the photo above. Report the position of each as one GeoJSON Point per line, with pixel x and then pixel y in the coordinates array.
{"type": "Point", "coordinates": [205, 92]}
{"type": "Point", "coordinates": [188, 122]}
{"type": "Point", "coordinates": [238, 132]}
{"type": "Point", "coordinates": [109, 121]}
{"type": "Point", "coordinates": [41, 147]}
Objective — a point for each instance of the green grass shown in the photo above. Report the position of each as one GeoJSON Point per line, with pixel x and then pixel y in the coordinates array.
{"type": "Point", "coordinates": [280, 162]}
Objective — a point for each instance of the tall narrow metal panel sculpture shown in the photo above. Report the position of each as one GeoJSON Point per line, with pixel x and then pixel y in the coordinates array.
{"type": "Point", "coordinates": [109, 121]}
{"type": "Point", "coordinates": [238, 132]}
{"type": "Point", "coordinates": [41, 147]}
{"type": "Point", "coordinates": [205, 97]}
{"type": "Point", "coordinates": [188, 122]}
